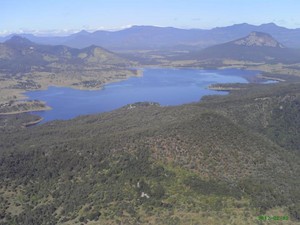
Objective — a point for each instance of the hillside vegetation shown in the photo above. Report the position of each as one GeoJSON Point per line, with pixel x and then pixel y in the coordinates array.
{"type": "Point", "coordinates": [25, 66]}
{"type": "Point", "coordinates": [225, 160]}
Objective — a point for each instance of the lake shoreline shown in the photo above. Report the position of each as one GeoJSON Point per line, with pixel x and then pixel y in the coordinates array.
{"type": "Point", "coordinates": [26, 111]}
{"type": "Point", "coordinates": [168, 87]}
{"type": "Point", "coordinates": [249, 77]}
{"type": "Point", "coordinates": [32, 123]}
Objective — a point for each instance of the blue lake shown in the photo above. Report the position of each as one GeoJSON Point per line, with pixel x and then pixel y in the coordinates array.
{"type": "Point", "coordinates": [165, 86]}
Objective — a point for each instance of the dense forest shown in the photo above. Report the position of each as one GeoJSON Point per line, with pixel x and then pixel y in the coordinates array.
{"type": "Point", "coordinates": [225, 160]}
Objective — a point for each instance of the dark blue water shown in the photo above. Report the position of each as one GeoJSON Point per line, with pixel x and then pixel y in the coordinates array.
{"type": "Point", "coordinates": [165, 86]}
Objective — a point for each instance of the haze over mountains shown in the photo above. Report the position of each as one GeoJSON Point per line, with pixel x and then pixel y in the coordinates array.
{"type": "Point", "coordinates": [21, 55]}
{"type": "Point", "coordinates": [229, 159]}
{"type": "Point", "coordinates": [255, 47]}
{"type": "Point", "coordinates": [151, 37]}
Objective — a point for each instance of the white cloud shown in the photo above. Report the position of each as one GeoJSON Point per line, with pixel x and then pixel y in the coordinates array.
{"type": "Point", "coordinates": [4, 32]}
{"type": "Point", "coordinates": [52, 32]}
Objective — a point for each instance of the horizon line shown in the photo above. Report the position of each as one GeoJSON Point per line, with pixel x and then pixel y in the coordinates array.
{"type": "Point", "coordinates": [68, 32]}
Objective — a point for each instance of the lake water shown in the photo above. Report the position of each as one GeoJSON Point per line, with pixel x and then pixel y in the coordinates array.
{"type": "Point", "coordinates": [165, 86]}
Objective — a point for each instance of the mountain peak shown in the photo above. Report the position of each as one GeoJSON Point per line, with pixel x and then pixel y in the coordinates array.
{"type": "Point", "coordinates": [83, 32]}
{"type": "Point", "coordinates": [260, 39]}
{"type": "Point", "coordinates": [269, 25]}
{"type": "Point", "coordinates": [19, 40]}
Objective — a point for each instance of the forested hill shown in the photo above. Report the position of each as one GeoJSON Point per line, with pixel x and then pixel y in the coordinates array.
{"type": "Point", "coordinates": [19, 54]}
{"type": "Point", "coordinates": [256, 47]}
{"type": "Point", "coordinates": [226, 160]}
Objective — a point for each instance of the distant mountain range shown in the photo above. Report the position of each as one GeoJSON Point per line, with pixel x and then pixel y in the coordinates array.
{"type": "Point", "coordinates": [229, 159]}
{"type": "Point", "coordinates": [153, 38]}
{"type": "Point", "coordinates": [19, 54]}
{"type": "Point", "coordinates": [255, 47]}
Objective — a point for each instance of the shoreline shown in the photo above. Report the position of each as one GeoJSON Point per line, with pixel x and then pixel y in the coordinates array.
{"type": "Point", "coordinates": [224, 88]}
{"type": "Point", "coordinates": [32, 123]}
{"type": "Point", "coordinates": [22, 96]}
{"type": "Point", "coordinates": [139, 73]}
{"type": "Point", "coordinates": [26, 111]}
{"type": "Point", "coordinates": [271, 78]}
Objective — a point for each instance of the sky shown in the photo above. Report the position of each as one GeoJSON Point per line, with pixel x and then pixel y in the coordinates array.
{"type": "Point", "coordinates": [61, 17]}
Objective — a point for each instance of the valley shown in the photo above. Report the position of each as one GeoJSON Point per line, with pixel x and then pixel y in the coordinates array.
{"type": "Point", "coordinates": [150, 152]}
{"type": "Point", "coordinates": [256, 51]}
{"type": "Point", "coordinates": [41, 66]}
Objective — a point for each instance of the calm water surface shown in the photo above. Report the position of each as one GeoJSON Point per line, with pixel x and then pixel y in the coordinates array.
{"type": "Point", "coordinates": [165, 86]}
